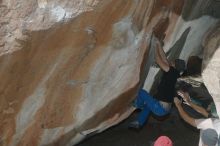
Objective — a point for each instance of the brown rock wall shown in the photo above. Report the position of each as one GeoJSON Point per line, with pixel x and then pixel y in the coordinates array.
{"type": "Point", "coordinates": [69, 69]}
{"type": "Point", "coordinates": [48, 73]}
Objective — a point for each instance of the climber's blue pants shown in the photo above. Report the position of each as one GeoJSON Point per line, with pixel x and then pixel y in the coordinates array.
{"type": "Point", "coordinates": [147, 103]}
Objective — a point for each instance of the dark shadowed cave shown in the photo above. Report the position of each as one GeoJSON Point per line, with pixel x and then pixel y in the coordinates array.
{"type": "Point", "coordinates": [181, 133]}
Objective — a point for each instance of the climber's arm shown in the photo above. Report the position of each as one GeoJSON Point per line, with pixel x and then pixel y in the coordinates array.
{"type": "Point", "coordinates": [162, 54]}
{"type": "Point", "coordinates": [183, 114]}
{"type": "Point", "coordinates": [199, 109]}
{"type": "Point", "coordinates": [161, 58]}
{"type": "Point", "coordinates": [188, 101]}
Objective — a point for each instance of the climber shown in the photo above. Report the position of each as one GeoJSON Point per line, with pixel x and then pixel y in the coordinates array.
{"type": "Point", "coordinates": [196, 108]}
{"type": "Point", "coordinates": [209, 127]}
{"type": "Point", "coordinates": [161, 103]}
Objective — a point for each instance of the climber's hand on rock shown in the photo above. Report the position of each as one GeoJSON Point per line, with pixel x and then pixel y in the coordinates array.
{"type": "Point", "coordinates": [185, 97]}
{"type": "Point", "coordinates": [177, 101]}
{"type": "Point", "coordinates": [180, 93]}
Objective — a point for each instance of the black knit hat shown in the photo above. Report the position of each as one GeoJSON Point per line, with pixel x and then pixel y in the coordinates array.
{"type": "Point", "coordinates": [180, 65]}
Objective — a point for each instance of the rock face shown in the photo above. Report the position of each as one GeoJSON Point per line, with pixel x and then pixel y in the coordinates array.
{"type": "Point", "coordinates": [211, 64]}
{"type": "Point", "coordinates": [69, 69]}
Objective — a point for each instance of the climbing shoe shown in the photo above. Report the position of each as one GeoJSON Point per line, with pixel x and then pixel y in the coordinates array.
{"type": "Point", "coordinates": [134, 125]}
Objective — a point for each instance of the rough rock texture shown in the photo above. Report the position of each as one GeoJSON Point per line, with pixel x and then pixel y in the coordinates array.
{"type": "Point", "coordinates": [211, 64]}
{"type": "Point", "coordinates": [71, 68]}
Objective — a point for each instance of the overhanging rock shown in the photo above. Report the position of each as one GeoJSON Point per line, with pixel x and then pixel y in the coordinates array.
{"type": "Point", "coordinates": [69, 69]}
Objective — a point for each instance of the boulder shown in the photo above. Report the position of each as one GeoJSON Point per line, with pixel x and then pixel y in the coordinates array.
{"type": "Point", "coordinates": [70, 69]}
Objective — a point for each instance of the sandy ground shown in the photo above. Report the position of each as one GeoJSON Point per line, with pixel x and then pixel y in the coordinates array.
{"type": "Point", "coordinates": [181, 133]}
